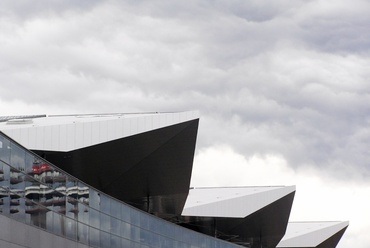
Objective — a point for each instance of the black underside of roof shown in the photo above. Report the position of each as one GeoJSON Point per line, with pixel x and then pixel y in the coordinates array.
{"type": "Point", "coordinates": [263, 228]}
{"type": "Point", "coordinates": [333, 240]}
{"type": "Point", "coordinates": [150, 170]}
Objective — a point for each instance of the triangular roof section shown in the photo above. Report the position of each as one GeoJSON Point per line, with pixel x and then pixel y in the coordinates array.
{"type": "Point", "coordinates": [311, 234]}
{"type": "Point", "coordinates": [232, 202]}
{"type": "Point", "coordinates": [71, 132]}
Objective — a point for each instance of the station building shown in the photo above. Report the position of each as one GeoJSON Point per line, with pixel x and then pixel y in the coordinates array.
{"type": "Point", "coordinates": [122, 180]}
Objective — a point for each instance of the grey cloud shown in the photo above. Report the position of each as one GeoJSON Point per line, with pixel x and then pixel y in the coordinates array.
{"type": "Point", "coordinates": [339, 28]}
{"type": "Point", "coordinates": [258, 11]}
{"type": "Point", "coordinates": [286, 78]}
{"type": "Point", "coordinates": [24, 10]}
{"type": "Point", "coordinates": [255, 71]}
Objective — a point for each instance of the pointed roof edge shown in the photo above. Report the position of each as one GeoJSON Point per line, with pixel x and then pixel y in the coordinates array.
{"type": "Point", "coordinates": [293, 235]}
{"type": "Point", "coordinates": [211, 204]}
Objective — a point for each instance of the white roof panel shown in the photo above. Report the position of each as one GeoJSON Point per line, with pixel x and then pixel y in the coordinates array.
{"type": "Point", "coordinates": [71, 132]}
{"type": "Point", "coordinates": [233, 202]}
{"type": "Point", "coordinates": [310, 234]}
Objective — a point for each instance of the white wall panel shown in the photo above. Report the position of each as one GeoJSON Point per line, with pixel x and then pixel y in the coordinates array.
{"type": "Point", "coordinates": [103, 131]}
{"type": "Point", "coordinates": [170, 119]}
{"type": "Point", "coordinates": [155, 121]}
{"type": "Point", "coordinates": [133, 125]}
{"type": "Point", "coordinates": [63, 137]}
{"type": "Point", "coordinates": [140, 125]}
{"type": "Point", "coordinates": [119, 128]}
{"type": "Point", "coordinates": [126, 127]}
{"type": "Point", "coordinates": [70, 137]}
{"type": "Point", "coordinates": [87, 133]}
{"type": "Point", "coordinates": [79, 134]}
{"type": "Point", "coordinates": [65, 133]}
{"type": "Point", "coordinates": [111, 129]}
{"type": "Point", "coordinates": [55, 138]}
{"type": "Point", "coordinates": [176, 117]}
{"type": "Point", "coordinates": [40, 134]}
{"type": "Point", "coordinates": [162, 120]}
{"type": "Point", "coordinates": [95, 132]}
{"type": "Point", "coordinates": [25, 135]}
{"type": "Point", "coordinates": [148, 122]}
{"type": "Point", "coordinates": [48, 136]}
{"type": "Point", "coordinates": [32, 134]}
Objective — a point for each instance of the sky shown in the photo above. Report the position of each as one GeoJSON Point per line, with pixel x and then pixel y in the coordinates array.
{"type": "Point", "coordinates": [282, 87]}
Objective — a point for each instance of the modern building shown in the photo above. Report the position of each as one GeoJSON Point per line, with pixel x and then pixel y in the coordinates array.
{"type": "Point", "coordinates": [313, 234]}
{"type": "Point", "coordinates": [122, 180]}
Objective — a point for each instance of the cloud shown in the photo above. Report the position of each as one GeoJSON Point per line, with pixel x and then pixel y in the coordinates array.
{"type": "Point", "coordinates": [317, 197]}
{"type": "Point", "coordinates": [229, 60]}
{"type": "Point", "coordinates": [338, 27]}
{"type": "Point", "coordinates": [24, 10]}
{"type": "Point", "coordinates": [283, 79]}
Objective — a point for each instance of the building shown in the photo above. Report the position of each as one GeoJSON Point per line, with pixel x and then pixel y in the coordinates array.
{"type": "Point", "coordinates": [313, 234]}
{"type": "Point", "coordinates": [122, 180]}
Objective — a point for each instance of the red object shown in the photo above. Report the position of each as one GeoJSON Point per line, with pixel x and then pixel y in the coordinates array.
{"type": "Point", "coordinates": [35, 168]}
{"type": "Point", "coordinates": [44, 167]}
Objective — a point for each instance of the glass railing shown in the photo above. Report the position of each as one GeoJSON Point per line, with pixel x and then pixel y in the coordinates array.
{"type": "Point", "coordinates": [35, 192]}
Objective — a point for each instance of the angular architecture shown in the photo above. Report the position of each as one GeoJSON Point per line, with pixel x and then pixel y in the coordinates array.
{"type": "Point", "coordinates": [122, 180]}
{"type": "Point", "coordinates": [313, 234]}
{"type": "Point", "coordinates": [250, 216]}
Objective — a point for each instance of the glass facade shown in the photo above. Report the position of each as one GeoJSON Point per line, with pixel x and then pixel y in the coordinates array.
{"type": "Point", "coordinates": [35, 192]}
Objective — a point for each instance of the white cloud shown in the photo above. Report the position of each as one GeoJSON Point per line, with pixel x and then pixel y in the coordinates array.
{"type": "Point", "coordinates": [317, 197]}
{"type": "Point", "coordinates": [282, 83]}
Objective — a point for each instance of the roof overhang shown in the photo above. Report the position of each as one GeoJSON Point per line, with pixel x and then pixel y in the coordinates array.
{"type": "Point", "coordinates": [142, 159]}
{"type": "Point", "coordinates": [64, 133]}
{"type": "Point", "coordinates": [250, 216]}
{"type": "Point", "coordinates": [313, 234]}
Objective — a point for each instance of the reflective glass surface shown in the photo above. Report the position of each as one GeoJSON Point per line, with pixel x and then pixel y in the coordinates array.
{"type": "Point", "coordinates": [38, 193]}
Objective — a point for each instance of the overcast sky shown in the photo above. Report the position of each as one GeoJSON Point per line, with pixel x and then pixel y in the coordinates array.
{"type": "Point", "coordinates": [283, 87]}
